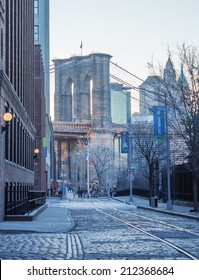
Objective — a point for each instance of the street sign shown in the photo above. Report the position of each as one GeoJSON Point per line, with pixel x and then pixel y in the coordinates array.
{"type": "Point", "coordinates": [134, 165]}
{"type": "Point", "coordinates": [64, 162]}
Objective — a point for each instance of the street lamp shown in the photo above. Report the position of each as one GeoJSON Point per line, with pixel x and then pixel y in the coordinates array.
{"type": "Point", "coordinates": [86, 143]}
{"type": "Point", "coordinates": [7, 117]}
{"type": "Point", "coordinates": [36, 152]}
{"type": "Point", "coordinates": [88, 173]}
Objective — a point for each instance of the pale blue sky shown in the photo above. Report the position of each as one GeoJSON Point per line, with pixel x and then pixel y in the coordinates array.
{"type": "Point", "coordinates": [133, 31]}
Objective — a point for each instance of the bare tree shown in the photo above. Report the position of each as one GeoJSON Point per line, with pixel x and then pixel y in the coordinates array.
{"type": "Point", "coordinates": [182, 97]}
{"type": "Point", "coordinates": [101, 158]}
{"type": "Point", "coordinates": [148, 150]}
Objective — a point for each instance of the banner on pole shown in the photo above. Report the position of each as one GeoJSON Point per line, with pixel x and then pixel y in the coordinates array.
{"type": "Point", "coordinates": [124, 142]}
{"type": "Point", "coordinates": [159, 122]}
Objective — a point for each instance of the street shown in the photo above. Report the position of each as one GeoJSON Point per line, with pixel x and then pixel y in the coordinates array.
{"type": "Point", "coordinates": [107, 229]}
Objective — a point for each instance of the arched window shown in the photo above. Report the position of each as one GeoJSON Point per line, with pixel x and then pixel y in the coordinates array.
{"type": "Point", "coordinates": [86, 99]}
{"type": "Point", "coordinates": [1, 44]}
{"type": "Point", "coordinates": [68, 109]}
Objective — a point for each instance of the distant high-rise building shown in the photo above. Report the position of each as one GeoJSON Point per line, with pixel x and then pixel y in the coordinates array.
{"type": "Point", "coordinates": [150, 91]}
{"type": "Point", "coordinates": [121, 114]}
{"type": "Point", "coordinates": [120, 104]}
{"type": "Point", "coordinates": [41, 37]}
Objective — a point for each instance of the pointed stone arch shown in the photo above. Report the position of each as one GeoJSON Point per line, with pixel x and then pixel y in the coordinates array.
{"type": "Point", "coordinates": [68, 101]}
{"type": "Point", "coordinates": [86, 99]}
{"type": "Point", "coordinates": [86, 106]}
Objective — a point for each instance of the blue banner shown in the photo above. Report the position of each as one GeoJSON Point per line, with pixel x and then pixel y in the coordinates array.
{"type": "Point", "coordinates": [44, 152]}
{"type": "Point", "coordinates": [124, 142]}
{"type": "Point", "coordinates": [159, 121]}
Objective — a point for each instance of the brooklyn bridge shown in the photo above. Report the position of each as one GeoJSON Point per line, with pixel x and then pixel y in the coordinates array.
{"type": "Point", "coordinates": [83, 117]}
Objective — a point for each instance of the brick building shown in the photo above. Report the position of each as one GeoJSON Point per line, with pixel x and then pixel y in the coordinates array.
{"type": "Point", "coordinates": [17, 96]}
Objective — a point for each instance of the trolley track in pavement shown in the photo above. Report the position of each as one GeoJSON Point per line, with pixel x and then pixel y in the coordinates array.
{"type": "Point", "coordinates": [138, 226]}
{"type": "Point", "coordinates": [152, 220]}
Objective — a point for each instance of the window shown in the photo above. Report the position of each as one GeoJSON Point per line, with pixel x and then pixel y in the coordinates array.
{"type": "Point", "coordinates": [36, 33]}
{"type": "Point", "coordinates": [36, 7]}
{"type": "Point", "coordinates": [1, 44]}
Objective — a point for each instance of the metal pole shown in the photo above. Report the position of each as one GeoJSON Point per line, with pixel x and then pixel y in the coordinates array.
{"type": "Point", "coordinates": [88, 175]}
{"type": "Point", "coordinates": [169, 201]}
{"type": "Point", "coordinates": [130, 167]}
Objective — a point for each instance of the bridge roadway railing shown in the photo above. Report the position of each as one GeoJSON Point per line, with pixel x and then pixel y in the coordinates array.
{"type": "Point", "coordinates": [82, 127]}
{"type": "Point", "coordinates": [59, 126]}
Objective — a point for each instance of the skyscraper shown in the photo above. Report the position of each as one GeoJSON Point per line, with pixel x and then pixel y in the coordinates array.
{"type": "Point", "coordinates": [41, 37]}
{"type": "Point", "coordinates": [120, 104]}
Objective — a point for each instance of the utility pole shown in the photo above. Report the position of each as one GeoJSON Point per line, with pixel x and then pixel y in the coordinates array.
{"type": "Point", "coordinates": [169, 201]}
{"type": "Point", "coordinates": [88, 173]}
{"type": "Point", "coordinates": [130, 166]}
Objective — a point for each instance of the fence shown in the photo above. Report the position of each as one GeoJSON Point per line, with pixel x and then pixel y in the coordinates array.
{"type": "Point", "coordinates": [24, 206]}
{"type": "Point", "coordinates": [181, 184]}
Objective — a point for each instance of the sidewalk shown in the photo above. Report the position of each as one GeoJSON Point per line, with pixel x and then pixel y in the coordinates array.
{"type": "Point", "coordinates": [143, 203]}
{"type": "Point", "coordinates": [56, 217]}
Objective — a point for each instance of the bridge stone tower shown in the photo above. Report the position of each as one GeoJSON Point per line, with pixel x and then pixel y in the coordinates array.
{"type": "Point", "coordinates": [82, 110]}
{"type": "Point", "coordinates": [82, 89]}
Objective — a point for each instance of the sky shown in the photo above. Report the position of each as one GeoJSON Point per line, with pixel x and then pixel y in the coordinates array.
{"type": "Point", "coordinates": [133, 32]}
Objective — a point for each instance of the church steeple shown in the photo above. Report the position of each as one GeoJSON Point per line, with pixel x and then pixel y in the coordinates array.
{"type": "Point", "coordinates": [169, 71]}
{"type": "Point", "coordinates": [182, 79]}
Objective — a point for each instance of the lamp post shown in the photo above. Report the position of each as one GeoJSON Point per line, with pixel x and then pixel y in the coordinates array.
{"type": "Point", "coordinates": [88, 173]}
{"type": "Point", "coordinates": [86, 143]}
{"type": "Point", "coordinates": [131, 177]}
{"type": "Point", "coordinates": [36, 152]}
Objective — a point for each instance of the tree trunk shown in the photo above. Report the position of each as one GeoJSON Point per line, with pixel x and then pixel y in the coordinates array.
{"type": "Point", "coordinates": [195, 191]}
{"type": "Point", "coordinates": [150, 183]}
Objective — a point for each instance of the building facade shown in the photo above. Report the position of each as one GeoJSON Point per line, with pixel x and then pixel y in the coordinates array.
{"type": "Point", "coordinates": [41, 38]}
{"type": "Point", "coordinates": [120, 104]}
{"type": "Point", "coordinates": [17, 140]}
{"type": "Point", "coordinates": [121, 114]}
{"type": "Point", "coordinates": [40, 181]}
{"type": "Point", "coordinates": [150, 95]}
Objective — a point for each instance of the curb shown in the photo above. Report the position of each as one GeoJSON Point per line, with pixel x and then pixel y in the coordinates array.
{"type": "Point", "coordinates": [160, 211]}
{"type": "Point", "coordinates": [29, 217]}
{"type": "Point", "coordinates": [169, 212]}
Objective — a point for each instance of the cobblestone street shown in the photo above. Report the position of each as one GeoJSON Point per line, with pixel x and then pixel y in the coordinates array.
{"type": "Point", "coordinates": [97, 236]}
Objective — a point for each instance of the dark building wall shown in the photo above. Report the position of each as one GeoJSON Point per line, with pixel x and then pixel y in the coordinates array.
{"type": "Point", "coordinates": [19, 52]}
{"type": "Point", "coordinates": [17, 97]}
{"type": "Point", "coordinates": [39, 166]}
